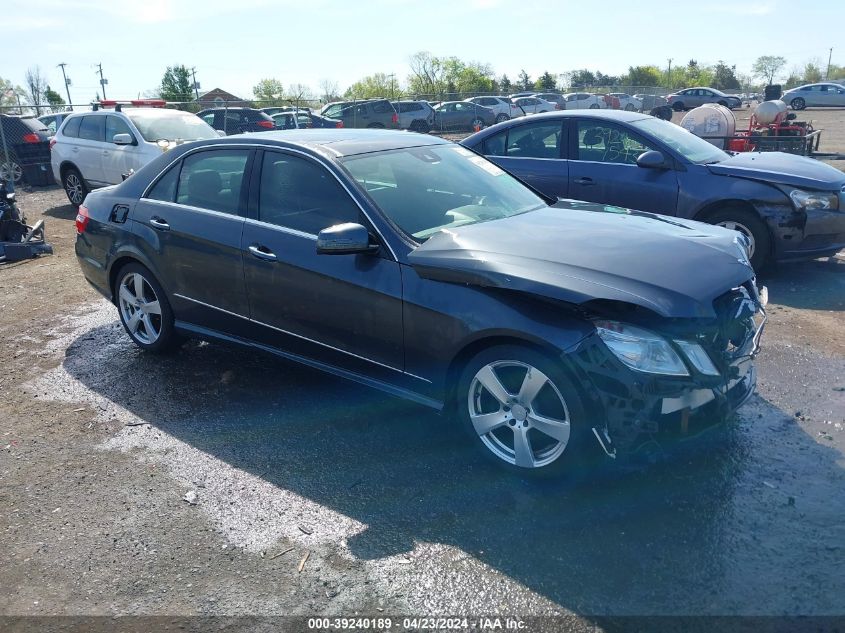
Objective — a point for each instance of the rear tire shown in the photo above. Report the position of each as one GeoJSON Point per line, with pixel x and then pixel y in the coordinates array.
{"type": "Point", "coordinates": [476, 123]}
{"type": "Point", "coordinates": [419, 126]}
{"type": "Point", "coordinates": [375, 126]}
{"type": "Point", "coordinates": [678, 106]}
{"type": "Point", "coordinates": [594, 106]}
{"type": "Point", "coordinates": [750, 224]}
{"type": "Point", "coordinates": [10, 169]}
{"type": "Point", "coordinates": [144, 310]}
{"type": "Point", "coordinates": [798, 103]}
{"type": "Point", "coordinates": [524, 412]}
{"type": "Point", "coordinates": [501, 118]}
{"type": "Point", "coordinates": [74, 185]}
{"type": "Point", "coordinates": [629, 107]}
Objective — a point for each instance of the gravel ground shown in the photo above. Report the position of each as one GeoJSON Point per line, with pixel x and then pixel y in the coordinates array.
{"type": "Point", "coordinates": [101, 445]}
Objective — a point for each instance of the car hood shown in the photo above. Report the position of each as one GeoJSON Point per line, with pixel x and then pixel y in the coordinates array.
{"type": "Point", "coordinates": [579, 252]}
{"type": "Point", "coordinates": [779, 167]}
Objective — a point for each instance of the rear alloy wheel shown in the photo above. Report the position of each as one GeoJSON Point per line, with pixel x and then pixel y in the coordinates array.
{"type": "Point", "coordinates": [594, 106]}
{"type": "Point", "coordinates": [523, 409]}
{"type": "Point", "coordinates": [678, 106]}
{"type": "Point", "coordinates": [10, 169]}
{"type": "Point", "coordinates": [798, 103]}
{"type": "Point", "coordinates": [629, 107]}
{"type": "Point", "coordinates": [375, 126]}
{"type": "Point", "coordinates": [75, 187]}
{"type": "Point", "coordinates": [476, 123]}
{"type": "Point", "coordinates": [419, 126]}
{"type": "Point", "coordinates": [752, 227]}
{"type": "Point", "coordinates": [144, 310]}
{"type": "Point", "coordinates": [723, 103]}
{"type": "Point", "coordinates": [501, 118]}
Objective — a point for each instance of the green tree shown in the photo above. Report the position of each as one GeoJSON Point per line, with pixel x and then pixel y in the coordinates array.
{"type": "Point", "coordinates": [269, 92]}
{"type": "Point", "coordinates": [176, 84]}
{"type": "Point", "coordinates": [644, 76]}
{"type": "Point", "coordinates": [581, 78]}
{"type": "Point", "coordinates": [545, 82]}
{"type": "Point", "coordinates": [767, 66]}
{"type": "Point", "coordinates": [427, 76]}
{"type": "Point", "coordinates": [54, 99]}
{"type": "Point", "coordinates": [505, 85]}
{"type": "Point", "coordinates": [10, 96]}
{"type": "Point", "coordinates": [523, 81]}
{"type": "Point", "coordinates": [371, 86]}
{"type": "Point", "coordinates": [724, 77]}
{"type": "Point", "coordinates": [812, 73]}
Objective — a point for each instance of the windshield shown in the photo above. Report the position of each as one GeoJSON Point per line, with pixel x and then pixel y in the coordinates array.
{"type": "Point", "coordinates": [172, 126]}
{"type": "Point", "coordinates": [426, 189]}
{"type": "Point", "coordinates": [687, 144]}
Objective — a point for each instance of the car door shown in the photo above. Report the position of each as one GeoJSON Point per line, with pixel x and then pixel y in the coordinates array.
{"type": "Point", "coordinates": [838, 97]}
{"type": "Point", "coordinates": [119, 159]}
{"type": "Point", "coordinates": [345, 310]}
{"type": "Point", "coordinates": [189, 225]}
{"type": "Point", "coordinates": [87, 150]}
{"type": "Point", "coordinates": [532, 152]}
{"type": "Point", "coordinates": [603, 168]}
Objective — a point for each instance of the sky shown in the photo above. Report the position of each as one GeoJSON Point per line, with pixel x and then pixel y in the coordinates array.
{"type": "Point", "coordinates": [235, 43]}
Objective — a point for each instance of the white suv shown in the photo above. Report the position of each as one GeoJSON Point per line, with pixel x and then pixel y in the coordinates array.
{"type": "Point", "coordinates": [501, 106]}
{"type": "Point", "coordinates": [94, 149]}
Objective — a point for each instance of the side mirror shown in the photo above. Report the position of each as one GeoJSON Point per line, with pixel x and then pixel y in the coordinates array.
{"type": "Point", "coordinates": [345, 239]}
{"type": "Point", "coordinates": [652, 159]}
{"type": "Point", "coordinates": [122, 139]}
{"type": "Point", "coordinates": [220, 132]}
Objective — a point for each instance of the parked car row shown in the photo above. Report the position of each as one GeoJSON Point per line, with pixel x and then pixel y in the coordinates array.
{"type": "Point", "coordinates": [27, 150]}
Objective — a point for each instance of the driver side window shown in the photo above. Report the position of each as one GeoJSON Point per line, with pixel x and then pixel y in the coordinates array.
{"type": "Point", "coordinates": [603, 143]}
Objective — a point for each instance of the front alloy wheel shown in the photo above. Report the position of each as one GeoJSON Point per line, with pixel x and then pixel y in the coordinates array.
{"type": "Point", "coordinates": [798, 104]}
{"type": "Point", "coordinates": [525, 425]}
{"type": "Point", "coordinates": [521, 408]}
{"type": "Point", "coordinates": [11, 170]}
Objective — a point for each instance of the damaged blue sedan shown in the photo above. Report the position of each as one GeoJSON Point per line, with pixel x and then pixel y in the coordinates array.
{"type": "Point", "coordinates": [550, 331]}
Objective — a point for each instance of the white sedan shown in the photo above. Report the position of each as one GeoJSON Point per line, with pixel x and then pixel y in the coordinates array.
{"type": "Point", "coordinates": [583, 101]}
{"type": "Point", "coordinates": [534, 105]}
{"type": "Point", "coordinates": [627, 102]}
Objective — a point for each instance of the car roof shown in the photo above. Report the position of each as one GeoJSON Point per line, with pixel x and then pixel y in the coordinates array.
{"type": "Point", "coordinates": [623, 116]}
{"type": "Point", "coordinates": [339, 142]}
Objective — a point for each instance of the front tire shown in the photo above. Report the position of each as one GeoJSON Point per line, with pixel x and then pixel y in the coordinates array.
{"type": "Point", "coordinates": [144, 309]}
{"type": "Point", "coordinates": [523, 411]}
{"type": "Point", "coordinates": [798, 103]}
{"type": "Point", "coordinates": [501, 118]}
{"type": "Point", "coordinates": [678, 106]}
{"type": "Point", "coordinates": [476, 124]}
{"type": "Point", "coordinates": [75, 187]}
{"type": "Point", "coordinates": [749, 224]}
{"type": "Point", "coordinates": [629, 107]}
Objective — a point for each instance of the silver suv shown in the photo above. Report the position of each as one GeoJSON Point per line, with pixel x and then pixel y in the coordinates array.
{"type": "Point", "coordinates": [417, 116]}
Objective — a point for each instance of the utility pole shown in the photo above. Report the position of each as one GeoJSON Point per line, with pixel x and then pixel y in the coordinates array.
{"type": "Point", "coordinates": [829, 57]}
{"type": "Point", "coordinates": [196, 85]}
{"type": "Point", "coordinates": [392, 77]}
{"type": "Point", "coordinates": [67, 85]}
{"type": "Point", "coordinates": [669, 78]}
{"type": "Point", "coordinates": [103, 82]}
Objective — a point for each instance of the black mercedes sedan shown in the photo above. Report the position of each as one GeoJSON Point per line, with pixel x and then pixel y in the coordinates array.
{"type": "Point", "coordinates": [410, 264]}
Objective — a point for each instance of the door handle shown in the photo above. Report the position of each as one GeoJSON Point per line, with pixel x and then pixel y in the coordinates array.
{"type": "Point", "coordinates": [74, 149]}
{"type": "Point", "coordinates": [585, 181]}
{"type": "Point", "coordinates": [262, 252]}
{"type": "Point", "coordinates": [159, 223]}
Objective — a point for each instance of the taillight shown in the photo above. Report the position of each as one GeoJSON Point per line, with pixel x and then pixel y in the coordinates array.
{"type": "Point", "coordinates": [31, 138]}
{"type": "Point", "coordinates": [52, 142]}
{"type": "Point", "coordinates": [82, 220]}
{"type": "Point", "coordinates": [265, 124]}
{"type": "Point", "coordinates": [339, 124]}
{"type": "Point", "coordinates": [557, 106]}
{"type": "Point", "coordinates": [395, 118]}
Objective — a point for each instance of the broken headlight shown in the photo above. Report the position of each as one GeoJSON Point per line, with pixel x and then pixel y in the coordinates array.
{"type": "Point", "coordinates": [640, 349]}
{"type": "Point", "coordinates": [698, 357]}
{"type": "Point", "coordinates": [803, 199]}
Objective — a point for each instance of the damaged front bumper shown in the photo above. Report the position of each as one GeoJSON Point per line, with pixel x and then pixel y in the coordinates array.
{"type": "Point", "coordinates": [632, 408]}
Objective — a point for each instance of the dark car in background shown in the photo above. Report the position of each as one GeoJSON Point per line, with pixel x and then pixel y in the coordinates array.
{"type": "Point", "coordinates": [26, 158]}
{"type": "Point", "coordinates": [371, 113]}
{"type": "Point", "coordinates": [789, 207]}
{"type": "Point", "coordinates": [460, 116]}
{"type": "Point", "coordinates": [53, 121]}
{"type": "Point", "coordinates": [694, 97]}
{"type": "Point", "coordinates": [552, 331]}
{"type": "Point", "coordinates": [237, 120]}
{"type": "Point", "coordinates": [271, 110]}
{"type": "Point", "coordinates": [302, 119]}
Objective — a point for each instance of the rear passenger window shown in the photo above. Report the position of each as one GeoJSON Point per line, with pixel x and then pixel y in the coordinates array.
{"type": "Point", "coordinates": [298, 194]}
{"type": "Point", "coordinates": [93, 128]}
{"type": "Point", "coordinates": [71, 128]}
{"type": "Point", "coordinates": [165, 188]}
{"type": "Point", "coordinates": [213, 180]}
{"type": "Point", "coordinates": [381, 107]}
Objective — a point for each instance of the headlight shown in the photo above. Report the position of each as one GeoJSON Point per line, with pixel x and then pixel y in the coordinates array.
{"type": "Point", "coordinates": [698, 357]}
{"type": "Point", "coordinates": [814, 199]}
{"type": "Point", "coordinates": [640, 349]}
